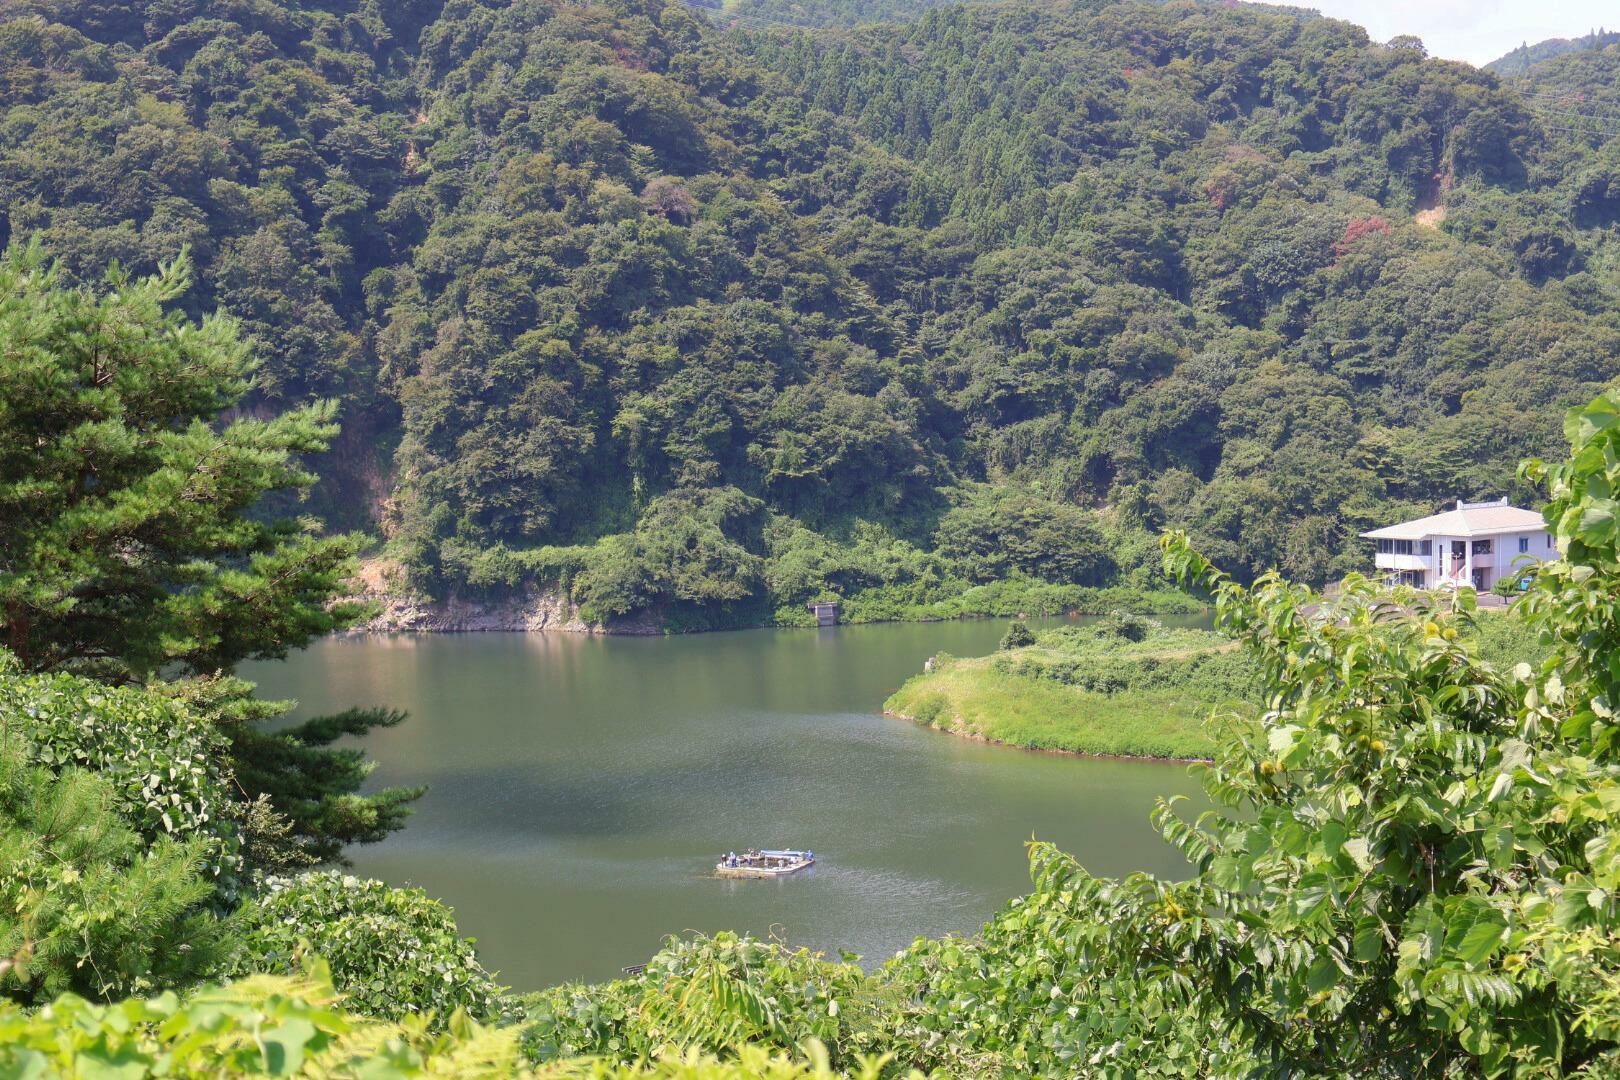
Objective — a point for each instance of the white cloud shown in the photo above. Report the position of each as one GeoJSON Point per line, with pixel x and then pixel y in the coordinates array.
{"type": "Point", "coordinates": [1475, 31]}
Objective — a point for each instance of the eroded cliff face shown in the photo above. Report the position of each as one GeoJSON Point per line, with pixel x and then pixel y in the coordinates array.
{"type": "Point", "coordinates": [542, 612]}
{"type": "Point", "coordinates": [402, 611]}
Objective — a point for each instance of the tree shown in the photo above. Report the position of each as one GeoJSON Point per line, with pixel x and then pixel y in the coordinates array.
{"type": "Point", "coordinates": [560, 262]}
{"type": "Point", "coordinates": [312, 787]}
{"type": "Point", "coordinates": [133, 536]}
{"type": "Point", "coordinates": [997, 532]}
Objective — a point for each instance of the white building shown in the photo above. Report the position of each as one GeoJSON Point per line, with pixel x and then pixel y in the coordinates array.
{"type": "Point", "coordinates": [1475, 544]}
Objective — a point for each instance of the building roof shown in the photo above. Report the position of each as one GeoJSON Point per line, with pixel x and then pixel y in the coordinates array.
{"type": "Point", "coordinates": [1468, 519]}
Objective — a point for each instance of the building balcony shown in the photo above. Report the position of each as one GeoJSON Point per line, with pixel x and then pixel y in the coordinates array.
{"type": "Point", "coordinates": [1403, 562]}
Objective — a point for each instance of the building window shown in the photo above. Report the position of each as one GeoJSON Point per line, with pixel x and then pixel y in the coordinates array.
{"type": "Point", "coordinates": [1549, 541]}
{"type": "Point", "coordinates": [1385, 546]}
{"type": "Point", "coordinates": [1425, 547]}
{"type": "Point", "coordinates": [1413, 578]}
{"type": "Point", "coordinates": [1524, 544]}
{"type": "Point", "coordinates": [1482, 547]}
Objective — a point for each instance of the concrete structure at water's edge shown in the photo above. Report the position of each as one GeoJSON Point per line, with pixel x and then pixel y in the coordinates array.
{"type": "Point", "coordinates": [826, 612]}
{"type": "Point", "coordinates": [1476, 544]}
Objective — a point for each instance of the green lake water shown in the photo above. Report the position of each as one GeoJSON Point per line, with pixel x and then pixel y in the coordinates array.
{"type": "Point", "coordinates": [580, 789]}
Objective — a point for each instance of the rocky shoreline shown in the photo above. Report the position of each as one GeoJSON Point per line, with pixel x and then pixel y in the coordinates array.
{"type": "Point", "coordinates": [534, 613]}
{"type": "Point", "coordinates": [382, 582]}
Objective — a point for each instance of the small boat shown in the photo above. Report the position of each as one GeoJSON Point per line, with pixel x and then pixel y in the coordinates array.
{"type": "Point", "coordinates": [764, 864]}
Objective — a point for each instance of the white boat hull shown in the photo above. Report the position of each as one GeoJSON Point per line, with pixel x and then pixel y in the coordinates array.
{"type": "Point", "coordinates": [783, 868]}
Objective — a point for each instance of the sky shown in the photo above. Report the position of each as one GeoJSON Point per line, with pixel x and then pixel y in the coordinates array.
{"type": "Point", "coordinates": [1475, 31]}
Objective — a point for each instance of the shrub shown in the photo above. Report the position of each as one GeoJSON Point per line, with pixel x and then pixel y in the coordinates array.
{"type": "Point", "coordinates": [394, 952]}
{"type": "Point", "coordinates": [85, 904]}
{"type": "Point", "coordinates": [928, 710]}
{"type": "Point", "coordinates": [1127, 627]}
{"type": "Point", "coordinates": [1209, 677]}
{"type": "Point", "coordinates": [160, 760]}
{"type": "Point", "coordinates": [279, 1026]}
{"type": "Point", "coordinates": [1018, 636]}
{"type": "Point", "coordinates": [712, 995]}
{"type": "Point", "coordinates": [264, 1026]}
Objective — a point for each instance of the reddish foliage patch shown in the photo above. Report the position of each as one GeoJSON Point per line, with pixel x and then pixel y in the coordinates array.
{"type": "Point", "coordinates": [629, 58]}
{"type": "Point", "coordinates": [1356, 230]}
{"type": "Point", "coordinates": [1222, 189]}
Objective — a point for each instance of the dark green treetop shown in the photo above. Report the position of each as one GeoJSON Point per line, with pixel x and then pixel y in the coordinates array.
{"type": "Point", "coordinates": [131, 531]}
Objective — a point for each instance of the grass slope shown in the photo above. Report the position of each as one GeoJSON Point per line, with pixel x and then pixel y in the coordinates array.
{"type": "Point", "coordinates": [967, 697]}
{"type": "Point", "coordinates": [1086, 690]}
{"type": "Point", "coordinates": [1127, 687]}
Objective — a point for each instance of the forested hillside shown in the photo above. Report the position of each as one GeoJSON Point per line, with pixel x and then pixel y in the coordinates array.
{"type": "Point", "coordinates": [713, 321]}
{"type": "Point", "coordinates": [820, 13]}
{"type": "Point", "coordinates": [1527, 56]}
{"type": "Point", "coordinates": [1257, 277]}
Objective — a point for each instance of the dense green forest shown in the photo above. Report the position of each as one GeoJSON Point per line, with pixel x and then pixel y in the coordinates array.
{"type": "Point", "coordinates": [708, 322]}
{"type": "Point", "coordinates": [813, 14]}
{"type": "Point", "coordinates": [1527, 56]}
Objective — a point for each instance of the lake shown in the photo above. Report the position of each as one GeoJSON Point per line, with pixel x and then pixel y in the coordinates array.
{"type": "Point", "coordinates": [581, 788]}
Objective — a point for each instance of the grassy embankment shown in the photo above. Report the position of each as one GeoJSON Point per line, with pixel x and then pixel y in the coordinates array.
{"type": "Point", "coordinates": [1127, 686]}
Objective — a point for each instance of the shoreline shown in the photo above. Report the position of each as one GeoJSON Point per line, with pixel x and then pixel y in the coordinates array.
{"type": "Point", "coordinates": [553, 613]}
{"type": "Point", "coordinates": [974, 736]}
{"type": "Point", "coordinates": [548, 607]}
{"type": "Point", "coordinates": [1083, 692]}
